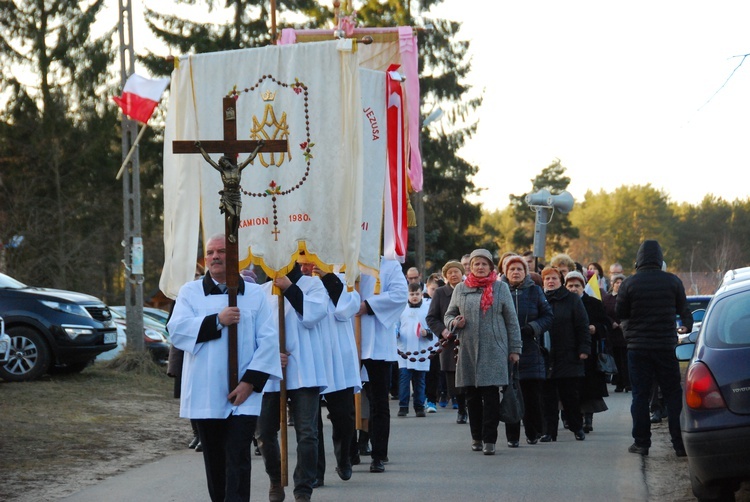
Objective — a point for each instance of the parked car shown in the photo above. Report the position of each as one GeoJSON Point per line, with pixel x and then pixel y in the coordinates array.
{"type": "Point", "coordinates": [697, 305]}
{"type": "Point", "coordinates": [159, 315]}
{"type": "Point", "coordinates": [4, 343]}
{"type": "Point", "coordinates": [155, 337]}
{"type": "Point", "coordinates": [52, 328]}
{"type": "Point", "coordinates": [715, 421]}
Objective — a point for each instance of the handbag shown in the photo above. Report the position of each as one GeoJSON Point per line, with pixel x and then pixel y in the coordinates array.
{"type": "Point", "coordinates": [511, 407]}
{"type": "Point", "coordinates": [605, 363]}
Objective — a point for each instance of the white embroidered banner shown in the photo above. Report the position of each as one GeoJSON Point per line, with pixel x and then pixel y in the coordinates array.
{"type": "Point", "coordinates": [375, 136]}
{"type": "Point", "coordinates": [308, 197]}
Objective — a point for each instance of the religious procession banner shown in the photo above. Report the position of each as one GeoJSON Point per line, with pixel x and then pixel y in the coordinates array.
{"type": "Point", "coordinates": [375, 136]}
{"type": "Point", "coordinates": [394, 52]}
{"type": "Point", "coordinates": [306, 198]}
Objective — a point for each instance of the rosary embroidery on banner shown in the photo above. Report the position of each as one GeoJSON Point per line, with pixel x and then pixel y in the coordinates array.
{"type": "Point", "coordinates": [271, 126]}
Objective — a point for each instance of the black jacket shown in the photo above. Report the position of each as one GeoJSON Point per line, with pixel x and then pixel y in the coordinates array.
{"type": "Point", "coordinates": [569, 334]}
{"type": "Point", "coordinates": [649, 301]}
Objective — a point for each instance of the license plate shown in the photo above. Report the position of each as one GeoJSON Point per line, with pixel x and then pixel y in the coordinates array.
{"type": "Point", "coordinates": [110, 337]}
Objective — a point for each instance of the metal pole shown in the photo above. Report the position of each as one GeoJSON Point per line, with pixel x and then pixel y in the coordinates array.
{"type": "Point", "coordinates": [131, 189]}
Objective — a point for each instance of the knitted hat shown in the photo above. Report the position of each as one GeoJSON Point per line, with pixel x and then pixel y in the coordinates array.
{"type": "Point", "coordinates": [453, 264]}
{"type": "Point", "coordinates": [482, 253]}
{"type": "Point", "coordinates": [514, 258]}
{"type": "Point", "coordinates": [575, 275]}
{"type": "Point", "coordinates": [615, 277]}
{"type": "Point", "coordinates": [551, 270]}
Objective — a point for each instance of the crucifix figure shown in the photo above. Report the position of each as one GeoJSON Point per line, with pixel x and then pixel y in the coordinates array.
{"type": "Point", "coordinates": [231, 199]}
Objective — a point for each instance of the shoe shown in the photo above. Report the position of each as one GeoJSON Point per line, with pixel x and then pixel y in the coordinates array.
{"type": "Point", "coordinates": [476, 445]}
{"type": "Point", "coordinates": [656, 417]}
{"type": "Point", "coordinates": [547, 438]}
{"type": "Point", "coordinates": [315, 484]}
{"type": "Point", "coordinates": [420, 413]}
{"type": "Point", "coordinates": [385, 460]}
{"type": "Point", "coordinates": [302, 497]}
{"type": "Point", "coordinates": [533, 441]}
{"type": "Point", "coordinates": [345, 473]}
{"type": "Point", "coordinates": [257, 451]}
{"type": "Point", "coordinates": [680, 452]}
{"type": "Point", "coordinates": [443, 401]}
{"type": "Point", "coordinates": [402, 412]}
{"type": "Point", "coordinates": [394, 398]}
{"type": "Point", "coordinates": [489, 449]}
{"type": "Point", "coordinates": [377, 466]}
{"type": "Point", "coordinates": [461, 418]}
{"type": "Point", "coordinates": [512, 444]}
{"type": "Point", "coordinates": [580, 435]}
{"type": "Point", "coordinates": [194, 442]}
{"type": "Point", "coordinates": [276, 493]}
{"type": "Point", "coordinates": [430, 407]}
{"type": "Point", "coordinates": [199, 447]}
{"type": "Point", "coordinates": [455, 403]}
{"type": "Point", "coordinates": [355, 459]}
{"type": "Point", "coordinates": [619, 389]}
{"type": "Point", "coordinates": [640, 450]}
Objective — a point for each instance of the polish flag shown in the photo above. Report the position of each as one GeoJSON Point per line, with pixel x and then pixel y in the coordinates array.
{"type": "Point", "coordinates": [140, 97]}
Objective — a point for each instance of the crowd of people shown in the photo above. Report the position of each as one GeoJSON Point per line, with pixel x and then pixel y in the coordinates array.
{"type": "Point", "coordinates": [448, 341]}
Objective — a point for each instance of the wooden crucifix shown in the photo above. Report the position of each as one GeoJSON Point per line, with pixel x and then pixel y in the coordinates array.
{"type": "Point", "coordinates": [231, 200]}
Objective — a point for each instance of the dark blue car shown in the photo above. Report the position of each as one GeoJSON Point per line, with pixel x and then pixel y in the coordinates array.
{"type": "Point", "coordinates": [715, 420]}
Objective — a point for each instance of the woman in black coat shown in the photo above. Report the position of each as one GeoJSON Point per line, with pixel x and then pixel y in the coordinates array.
{"type": "Point", "coordinates": [569, 346]}
{"type": "Point", "coordinates": [453, 273]}
{"type": "Point", "coordinates": [535, 317]}
{"type": "Point", "coordinates": [594, 383]}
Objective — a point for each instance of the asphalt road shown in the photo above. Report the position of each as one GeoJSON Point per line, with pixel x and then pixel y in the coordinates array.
{"type": "Point", "coordinates": [430, 460]}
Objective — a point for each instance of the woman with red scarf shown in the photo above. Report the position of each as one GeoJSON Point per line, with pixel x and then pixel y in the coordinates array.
{"type": "Point", "coordinates": [484, 320]}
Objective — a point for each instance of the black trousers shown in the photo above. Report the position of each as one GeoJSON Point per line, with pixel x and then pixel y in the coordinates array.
{"type": "Point", "coordinates": [532, 417]}
{"type": "Point", "coordinates": [483, 405]}
{"type": "Point", "coordinates": [379, 373]}
{"type": "Point", "coordinates": [567, 392]}
{"type": "Point", "coordinates": [227, 450]}
{"type": "Point", "coordinates": [340, 406]}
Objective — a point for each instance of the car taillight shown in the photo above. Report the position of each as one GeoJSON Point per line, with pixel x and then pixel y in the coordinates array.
{"type": "Point", "coordinates": [702, 393]}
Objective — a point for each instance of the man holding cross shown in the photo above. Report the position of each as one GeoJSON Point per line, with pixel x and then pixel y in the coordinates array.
{"type": "Point", "coordinates": [225, 417]}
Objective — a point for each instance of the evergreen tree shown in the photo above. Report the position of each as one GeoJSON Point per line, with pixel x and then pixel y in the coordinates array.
{"type": "Point", "coordinates": [58, 145]}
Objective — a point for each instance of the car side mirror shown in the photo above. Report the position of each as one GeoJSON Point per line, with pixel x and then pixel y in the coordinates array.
{"type": "Point", "coordinates": [684, 352]}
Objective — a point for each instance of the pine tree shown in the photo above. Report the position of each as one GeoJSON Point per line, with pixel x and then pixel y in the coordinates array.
{"type": "Point", "coordinates": [58, 143]}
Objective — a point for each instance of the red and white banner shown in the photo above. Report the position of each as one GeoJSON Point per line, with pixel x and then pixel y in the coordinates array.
{"type": "Point", "coordinates": [140, 97]}
{"type": "Point", "coordinates": [395, 231]}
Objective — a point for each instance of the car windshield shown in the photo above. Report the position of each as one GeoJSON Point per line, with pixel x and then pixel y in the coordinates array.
{"type": "Point", "coordinates": [10, 283]}
{"type": "Point", "coordinates": [729, 324]}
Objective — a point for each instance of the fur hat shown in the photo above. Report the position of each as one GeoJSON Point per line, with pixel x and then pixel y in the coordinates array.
{"type": "Point", "coordinates": [615, 277]}
{"type": "Point", "coordinates": [482, 253]}
{"type": "Point", "coordinates": [514, 258]}
{"type": "Point", "coordinates": [453, 264]}
{"type": "Point", "coordinates": [575, 275]}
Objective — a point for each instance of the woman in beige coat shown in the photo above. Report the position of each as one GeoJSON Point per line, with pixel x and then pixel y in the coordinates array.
{"type": "Point", "coordinates": [482, 316]}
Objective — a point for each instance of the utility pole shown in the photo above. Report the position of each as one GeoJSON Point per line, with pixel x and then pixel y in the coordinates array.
{"type": "Point", "coordinates": [131, 195]}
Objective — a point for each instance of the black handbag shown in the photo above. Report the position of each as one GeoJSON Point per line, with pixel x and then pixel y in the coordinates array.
{"type": "Point", "coordinates": [605, 363]}
{"type": "Point", "coordinates": [511, 407]}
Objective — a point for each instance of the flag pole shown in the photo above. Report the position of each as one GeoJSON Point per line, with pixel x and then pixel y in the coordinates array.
{"type": "Point", "coordinates": [130, 153]}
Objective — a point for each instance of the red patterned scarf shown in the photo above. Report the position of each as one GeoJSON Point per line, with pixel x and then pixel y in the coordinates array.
{"type": "Point", "coordinates": [485, 282]}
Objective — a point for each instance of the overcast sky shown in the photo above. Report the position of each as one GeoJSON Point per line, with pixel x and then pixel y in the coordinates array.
{"type": "Point", "coordinates": [620, 92]}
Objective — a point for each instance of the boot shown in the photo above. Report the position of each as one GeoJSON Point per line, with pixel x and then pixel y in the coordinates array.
{"type": "Point", "coordinates": [588, 422]}
{"type": "Point", "coordinates": [364, 443]}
